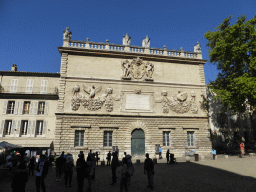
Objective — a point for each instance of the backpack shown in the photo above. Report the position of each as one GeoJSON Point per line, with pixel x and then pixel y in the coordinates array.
{"type": "Point", "coordinates": [130, 170]}
{"type": "Point", "coordinates": [69, 166]}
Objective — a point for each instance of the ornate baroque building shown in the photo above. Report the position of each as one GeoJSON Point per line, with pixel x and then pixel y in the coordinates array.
{"type": "Point", "coordinates": [110, 95]}
{"type": "Point", "coordinates": [131, 97]}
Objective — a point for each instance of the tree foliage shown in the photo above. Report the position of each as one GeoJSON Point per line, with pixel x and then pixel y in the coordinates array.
{"type": "Point", "coordinates": [233, 49]}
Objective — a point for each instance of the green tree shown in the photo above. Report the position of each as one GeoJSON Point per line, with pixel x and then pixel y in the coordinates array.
{"type": "Point", "coordinates": [233, 49]}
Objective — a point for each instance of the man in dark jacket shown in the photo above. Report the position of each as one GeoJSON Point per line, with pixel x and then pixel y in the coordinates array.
{"type": "Point", "coordinates": [42, 171]}
{"type": "Point", "coordinates": [149, 169]}
{"type": "Point", "coordinates": [20, 179]}
{"type": "Point", "coordinates": [114, 165]}
{"type": "Point", "coordinates": [81, 171]}
{"type": "Point", "coordinates": [168, 156]}
{"type": "Point", "coordinates": [109, 158]}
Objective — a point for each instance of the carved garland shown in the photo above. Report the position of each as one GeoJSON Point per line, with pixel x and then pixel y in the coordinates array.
{"type": "Point", "coordinates": [181, 103]}
{"type": "Point", "coordinates": [92, 103]}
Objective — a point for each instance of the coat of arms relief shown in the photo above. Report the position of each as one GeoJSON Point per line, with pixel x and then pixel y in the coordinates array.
{"type": "Point", "coordinates": [137, 69]}
{"type": "Point", "coordinates": [179, 103]}
{"type": "Point", "coordinates": [91, 102]}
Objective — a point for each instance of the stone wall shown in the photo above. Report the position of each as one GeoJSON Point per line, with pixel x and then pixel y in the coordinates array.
{"type": "Point", "coordinates": [122, 127]}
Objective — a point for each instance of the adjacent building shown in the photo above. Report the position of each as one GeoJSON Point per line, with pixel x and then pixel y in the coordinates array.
{"type": "Point", "coordinates": [28, 101]}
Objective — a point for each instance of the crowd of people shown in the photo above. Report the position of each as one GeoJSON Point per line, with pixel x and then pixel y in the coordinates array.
{"type": "Point", "coordinates": [85, 169]}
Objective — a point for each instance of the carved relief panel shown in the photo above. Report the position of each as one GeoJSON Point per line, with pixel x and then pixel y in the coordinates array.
{"type": "Point", "coordinates": [137, 70]}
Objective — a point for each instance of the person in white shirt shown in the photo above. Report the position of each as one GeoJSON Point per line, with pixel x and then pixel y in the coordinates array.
{"type": "Point", "coordinates": [41, 172]}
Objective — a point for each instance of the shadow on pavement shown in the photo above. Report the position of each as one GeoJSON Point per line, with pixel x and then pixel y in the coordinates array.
{"type": "Point", "coordinates": [177, 178]}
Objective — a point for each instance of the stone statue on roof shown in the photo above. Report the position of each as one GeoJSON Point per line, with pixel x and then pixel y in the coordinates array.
{"type": "Point", "coordinates": [146, 42]}
{"type": "Point", "coordinates": [126, 40]}
{"type": "Point", "coordinates": [67, 34]}
{"type": "Point", "coordinates": [197, 48]}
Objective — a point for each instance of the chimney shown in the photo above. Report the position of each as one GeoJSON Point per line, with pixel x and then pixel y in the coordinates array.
{"type": "Point", "coordinates": [14, 67]}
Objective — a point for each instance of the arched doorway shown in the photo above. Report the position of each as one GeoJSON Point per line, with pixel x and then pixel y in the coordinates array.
{"type": "Point", "coordinates": [138, 142]}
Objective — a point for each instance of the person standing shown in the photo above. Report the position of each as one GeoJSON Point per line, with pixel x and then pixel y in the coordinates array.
{"type": "Point", "coordinates": [89, 170]}
{"type": "Point", "coordinates": [97, 158]}
{"type": "Point", "coordinates": [124, 177]}
{"type": "Point", "coordinates": [68, 171]}
{"type": "Point", "coordinates": [42, 171]}
{"type": "Point", "coordinates": [168, 156]}
{"type": "Point", "coordinates": [20, 179]}
{"type": "Point", "coordinates": [149, 170]}
{"type": "Point", "coordinates": [80, 170]}
{"type": "Point", "coordinates": [160, 152]}
{"type": "Point", "coordinates": [60, 162]}
{"type": "Point", "coordinates": [114, 165]}
{"type": "Point", "coordinates": [31, 166]}
{"type": "Point", "coordinates": [109, 158]}
{"type": "Point", "coordinates": [213, 154]}
{"type": "Point", "coordinates": [242, 149]}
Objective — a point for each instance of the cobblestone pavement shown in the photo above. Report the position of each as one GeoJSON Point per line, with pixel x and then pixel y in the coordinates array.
{"type": "Point", "coordinates": [227, 175]}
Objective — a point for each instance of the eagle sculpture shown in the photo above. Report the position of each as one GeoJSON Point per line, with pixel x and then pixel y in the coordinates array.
{"type": "Point", "coordinates": [91, 91]}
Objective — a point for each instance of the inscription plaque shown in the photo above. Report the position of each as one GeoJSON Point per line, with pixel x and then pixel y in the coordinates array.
{"type": "Point", "coordinates": [137, 102]}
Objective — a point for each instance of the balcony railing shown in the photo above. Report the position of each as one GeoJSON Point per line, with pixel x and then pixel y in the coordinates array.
{"type": "Point", "coordinates": [133, 49]}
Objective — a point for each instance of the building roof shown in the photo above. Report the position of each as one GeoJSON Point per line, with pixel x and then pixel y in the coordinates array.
{"type": "Point", "coordinates": [24, 73]}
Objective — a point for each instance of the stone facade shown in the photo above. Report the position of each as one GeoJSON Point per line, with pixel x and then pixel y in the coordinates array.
{"type": "Point", "coordinates": [117, 89]}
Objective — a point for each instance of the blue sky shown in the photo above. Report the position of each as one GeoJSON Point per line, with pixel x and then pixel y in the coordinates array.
{"type": "Point", "coordinates": [31, 31]}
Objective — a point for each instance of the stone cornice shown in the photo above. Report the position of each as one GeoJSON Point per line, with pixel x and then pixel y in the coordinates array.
{"type": "Point", "coordinates": [129, 55]}
{"type": "Point", "coordinates": [129, 116]}
{"type": "Point", "coordinates": [131, 82]}
{"type": "Point", "coordinates": [29, 74]}
{"type": "Point", "coordinates": [29, 96]}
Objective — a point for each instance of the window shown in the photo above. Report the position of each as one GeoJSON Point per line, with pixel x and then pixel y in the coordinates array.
{"type": "Point", "coordinates": [29, 86]}
{"type": "Point", "coordinates": [24, 127]}
{"type": "Point", "coordinates": [41, 108]}
{"type": "Point", "coordinates": [8, 127]}
{"type": "Point", "coordinates": [39, 127]}
{"type": "Point", "coordinates": [26, 107]}
{"type": "Point", "coordinates": [44, 84]}
{"type": "Point", "coordinates": [190, 138]}
{"type": "Point", "coordinates": [14, 86]}
{"type": "Point", "coordinates": [166, 138]}
{"type": "Point", "coordinates": [10, 107]}
{"type": "Point", "coordinates": [79, 138]}
{"type": "Point", "coordinates": [107, 138]}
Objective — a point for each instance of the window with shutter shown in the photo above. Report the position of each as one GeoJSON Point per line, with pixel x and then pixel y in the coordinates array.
{"type": "Point", "coordinates": [26, 107]}
{"type": "Point", "coordinates": [41, 108]}
{"type": "Point", "coordinates": [39, 127]}
{"type": "Point", "coordinates": [24, 127]}
{"type": "Point", "coordinates": [43, 88]}
{"type": "Point", "coordinates": [14, 86]}
{"type": "Point", "coordinates": [10, 107]}
{"type": "Point", "coordinates": [29, 86]}
{"type": "Point", "coordinates": [8, 127]}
